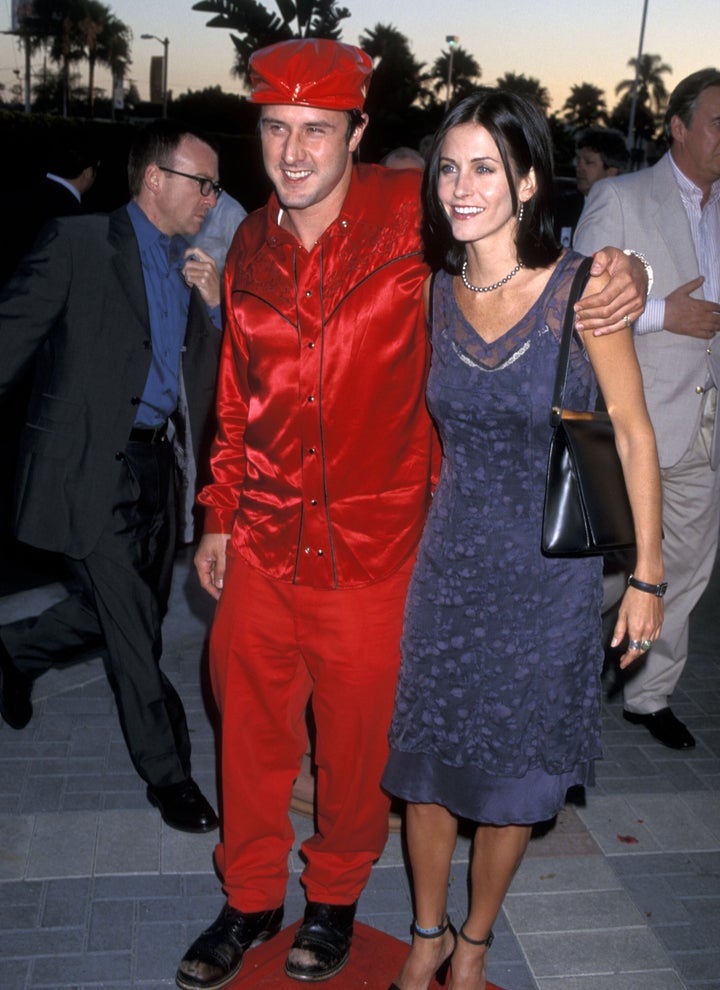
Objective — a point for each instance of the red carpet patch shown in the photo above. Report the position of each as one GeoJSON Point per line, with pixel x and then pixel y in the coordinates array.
{"type": "Point", "coordinates": [375, 961]}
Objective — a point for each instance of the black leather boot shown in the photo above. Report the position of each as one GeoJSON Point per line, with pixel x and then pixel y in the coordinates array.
{"type": "Point", "coordinates": [322, 943]}
{"type": "Point", "coordinates": [215, 957]}
{"type": "Point", "coordinates": [15, 690]}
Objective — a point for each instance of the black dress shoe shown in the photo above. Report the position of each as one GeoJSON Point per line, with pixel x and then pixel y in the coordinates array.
{"type": "Point", "coordinates": [183, 806]}
{"type": "Point", "coordinates": [666, 728]}
{"type": "Point", "coordinates": [215, 957]}
{"type": "Point", "coordinates": [322, 943]}
{"type": "Point", "coordinates": [15, 690]}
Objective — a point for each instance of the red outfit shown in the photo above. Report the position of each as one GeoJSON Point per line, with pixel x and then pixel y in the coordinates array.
{"type": "Point", "coordinates": [322, 469]}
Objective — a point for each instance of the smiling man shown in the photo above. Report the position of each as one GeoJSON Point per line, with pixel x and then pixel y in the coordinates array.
{"type": "Point", "coordinates": [322, 479]}
{"type": "Point", "coordinates": [116, 314]}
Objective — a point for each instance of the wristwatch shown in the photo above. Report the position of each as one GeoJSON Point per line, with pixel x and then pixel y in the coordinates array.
{"type": "Point", "coordinates": [646, 265]}
{"type": "Point", "coordinates": [652, 589]}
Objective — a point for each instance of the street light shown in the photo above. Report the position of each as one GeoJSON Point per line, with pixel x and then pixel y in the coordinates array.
{"type": "Point", "coordinates": [165, 42]}
{"type": "Point", "coordinates": [452, 40]}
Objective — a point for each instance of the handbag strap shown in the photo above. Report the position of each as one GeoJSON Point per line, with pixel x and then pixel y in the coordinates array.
{"type": "Point", "coordinates": [576, 290]}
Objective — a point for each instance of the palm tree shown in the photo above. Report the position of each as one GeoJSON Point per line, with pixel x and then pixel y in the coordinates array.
{"type": "Point", "coordinates": [398, 79]}
{"type": "Point", "coordinates": [645, 125]}
{"type": "Point", "coordinates": [106, 40]}
{"type": "Point", "coordinates": [38, 22]}
{"type": "Point", "coordinates": [258, 27]}
{"type": "Point", "coordinates": [528, 86]}
{"type": "Point", "coordinates": [53, 25]}
{"type": "Point", "coordinates": [72, 30]}
{"type": "Point", "coordinates": [585, 107]}
{"type": "Point", "coordinates": [652, 93]}
{"type": "Point", "coordinates": [396, 95]}
{"type": "Point", "coordinates": [66, 45]}
{"type": "Point", "coordinates": [466, 72]}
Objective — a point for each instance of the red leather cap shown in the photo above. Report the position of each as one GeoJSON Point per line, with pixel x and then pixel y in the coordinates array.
{"type": "Point", "coordinates": [313, 72]}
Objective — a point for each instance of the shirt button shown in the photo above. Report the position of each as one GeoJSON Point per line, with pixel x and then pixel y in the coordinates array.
{"type": "Point", "coordinates": [313, 501]}
{"type": "Point", "coordinates": [312, 450]}
{"type": "Point", "coordinates": [343, 224]}
{"type": "Point", "coordinates": [119, 455]}
{"type": "Point", "coordinates": [135, 401]}
{"type": "Point", "coordinates": [308, 293]}
{"type": "Point", "coordinates": [699, 389]}
{"type": "Point", "coordinates": [311, 346]}
{"type": "Point", "coordinates": [320, 553]}
{"type": "Point", "coordinates": [311, 398]}
{"type": "Point", "coordinates": [307, 550]}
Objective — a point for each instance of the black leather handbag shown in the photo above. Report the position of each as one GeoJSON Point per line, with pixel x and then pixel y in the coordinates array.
{"type": "Point", "coordinates": [587, 510]}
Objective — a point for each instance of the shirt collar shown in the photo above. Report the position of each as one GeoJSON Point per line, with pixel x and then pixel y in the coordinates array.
{"type": "Point", "coordinates": [64, 182]}
{"type": "Point", "coordinates": [691, 192]}
{"type": "Point", "coordinates": [149, 235]}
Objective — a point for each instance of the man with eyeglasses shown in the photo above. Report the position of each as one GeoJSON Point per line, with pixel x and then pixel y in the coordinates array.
{"type": "Point", "coordinates": [122, 319]}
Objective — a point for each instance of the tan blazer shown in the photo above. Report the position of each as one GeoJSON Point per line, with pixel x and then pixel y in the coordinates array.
{"type": "Point", "coordinates": [644, 211]}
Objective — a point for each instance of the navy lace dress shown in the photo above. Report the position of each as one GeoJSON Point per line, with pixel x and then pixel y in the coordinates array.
{"type": "Point", "coordinates": [498, 701]}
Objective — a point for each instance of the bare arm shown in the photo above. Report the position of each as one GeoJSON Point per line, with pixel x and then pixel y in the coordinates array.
{"type": "Point", "coordinates": [604, 310]}
{"type": "Point", "coordinates": [210, 560]}
{"type": "Point", "coordinates": [616, 367]}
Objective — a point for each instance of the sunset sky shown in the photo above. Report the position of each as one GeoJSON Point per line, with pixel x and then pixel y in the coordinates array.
{"type": "Point", "coordinates": [560, 42]}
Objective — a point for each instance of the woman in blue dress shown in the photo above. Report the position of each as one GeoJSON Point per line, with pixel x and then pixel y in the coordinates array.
{"type": "Point", "coordinates": [498, 700]}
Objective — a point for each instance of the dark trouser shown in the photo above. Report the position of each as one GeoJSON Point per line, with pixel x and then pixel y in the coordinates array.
{"type": "Point", "coordinates": [118, 608]}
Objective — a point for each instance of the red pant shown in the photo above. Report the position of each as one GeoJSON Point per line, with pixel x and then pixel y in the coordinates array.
{"type": "Point", "coordinates": [273, 645]}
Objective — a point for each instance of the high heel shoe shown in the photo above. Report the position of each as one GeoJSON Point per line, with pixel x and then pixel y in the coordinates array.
{"type": "Point", "coordinates": [484, 943]}
{"type": "Point", "coordinates": [476, 941]}
{"type": "Point", "coordinates": [429, 933]}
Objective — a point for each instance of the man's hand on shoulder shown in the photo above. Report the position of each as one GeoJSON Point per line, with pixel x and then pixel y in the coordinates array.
{"type": "Point", "coordinates": [201, 271]}
{"type": "Point", "coordinates": [691, 317]}
{"type": "Point", "coordinates": [621, 301]}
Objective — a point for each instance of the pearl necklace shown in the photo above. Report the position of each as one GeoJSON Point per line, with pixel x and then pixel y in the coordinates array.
{"type": "Point", "coordinates": [487, 288]}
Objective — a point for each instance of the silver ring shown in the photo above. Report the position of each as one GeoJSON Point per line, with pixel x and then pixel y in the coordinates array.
{"type": "Point", "coordinates": [640, 644]}
{"type": "Point", "coordinates": [646, 644]}
{"type": "Point", "coordinates": [626, 321]}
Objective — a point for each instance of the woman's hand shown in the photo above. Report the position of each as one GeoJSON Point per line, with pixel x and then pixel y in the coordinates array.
{"type": "Point", "coordinates": [640, 618]}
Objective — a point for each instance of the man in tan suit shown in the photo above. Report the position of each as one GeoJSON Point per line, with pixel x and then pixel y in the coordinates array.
{"type": "Point", "coordinates": [671, 213]}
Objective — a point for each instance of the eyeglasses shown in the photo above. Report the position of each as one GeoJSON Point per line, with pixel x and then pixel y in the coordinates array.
{"type": "Point", "coordinates": [206, 185]}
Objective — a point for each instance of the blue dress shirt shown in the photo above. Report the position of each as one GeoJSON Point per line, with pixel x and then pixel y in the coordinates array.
{"type": "Point", "coordinates": [168, 298]}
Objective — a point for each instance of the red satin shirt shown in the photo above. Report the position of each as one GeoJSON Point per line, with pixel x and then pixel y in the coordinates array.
{"type": "Point", "coordinates": [322, 461]}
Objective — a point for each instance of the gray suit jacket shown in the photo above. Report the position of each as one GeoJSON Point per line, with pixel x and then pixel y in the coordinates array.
{"type": "Point", "coordinates": [77, 305]}
{"type": "Point", "coordinates": [644, 211]}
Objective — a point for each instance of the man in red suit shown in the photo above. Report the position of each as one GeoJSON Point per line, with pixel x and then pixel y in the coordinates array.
{"type": "Point", "coordinates": [322, 477]}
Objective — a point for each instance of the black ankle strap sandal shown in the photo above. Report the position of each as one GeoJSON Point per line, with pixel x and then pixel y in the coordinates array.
{"type": "Point", "coordinates": [475, 941]}
{"type": "Point", "coordinates": [437, 932]}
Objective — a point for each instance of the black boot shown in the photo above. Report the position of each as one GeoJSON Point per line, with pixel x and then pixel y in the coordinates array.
{"type": "Point", "coordinates": [322, 943]}
{"type": "Point", "coordinates": [15, 690]}
{"type": "Point", "coordinates": [215, 957]}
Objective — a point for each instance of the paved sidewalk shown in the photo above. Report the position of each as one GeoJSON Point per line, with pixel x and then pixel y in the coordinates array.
{"type": "Point", "coordinates": [623, 894]}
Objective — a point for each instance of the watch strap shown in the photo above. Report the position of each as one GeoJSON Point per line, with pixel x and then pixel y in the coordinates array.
{"type": "Point", "coordinates": [652, 589]}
